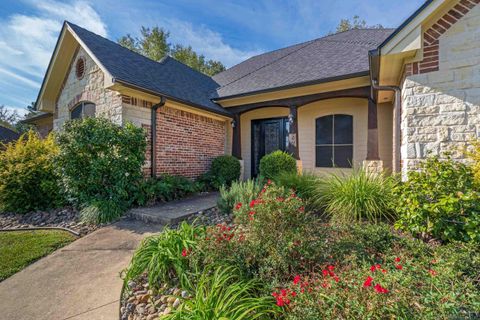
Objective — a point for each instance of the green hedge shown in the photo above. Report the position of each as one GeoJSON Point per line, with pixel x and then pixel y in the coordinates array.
{"type": "Point", "coordinates": [276, 163]}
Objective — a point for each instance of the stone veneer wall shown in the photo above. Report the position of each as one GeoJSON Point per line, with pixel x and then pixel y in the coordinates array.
{"type": "Point", "coordinates": [187, 142]}
{"type": "Point", "coordinates": [441, 98]}
{"type": "Point", "coordinates": [89, 88]}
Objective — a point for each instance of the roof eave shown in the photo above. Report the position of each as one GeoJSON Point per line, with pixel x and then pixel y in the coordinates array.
{"type": "Point", "coordinates": [160, 94]}
{"type": "Point", "coordinates": [296, 85]}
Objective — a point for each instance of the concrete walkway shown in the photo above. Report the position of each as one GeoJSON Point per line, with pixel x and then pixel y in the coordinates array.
{"type": "Point", "coordinates": [79, 281]}
{"type": "Point", "coordinates": [175, 211]}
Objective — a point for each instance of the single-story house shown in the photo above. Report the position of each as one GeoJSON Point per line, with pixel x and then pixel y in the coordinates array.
{"type": "Point", "coordinates": [377, 98]}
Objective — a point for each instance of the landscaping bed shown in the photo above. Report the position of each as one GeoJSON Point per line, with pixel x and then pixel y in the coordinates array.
{"type": "Point", "coordinates": [18, 249]}
{"type": "Point", "coordinates": [63, 218]}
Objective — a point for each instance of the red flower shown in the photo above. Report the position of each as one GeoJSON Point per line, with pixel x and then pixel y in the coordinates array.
{"type": "Point", "coordinates": [296, 280]}
{"type": "Point", "coordinates": [432, 272]}
{"type": "Point", "coordinates": [378, 288]}
{"type": "Point", "coordinates": [399, 267]}
{"type": "Point", "coordinates": [252, 203]}
{"type": "Point", "coordinates": [301, 209]}
{"type": "Point", "coordinates": [280, 199]}
{"type": "Point", "coordinates": [330, 268]}
{"type": "Point", "coordinates": [397, 259]}
{"type": "Point", "coordinates": [372, 268]}
{"type": "Point", "coordinates": [384, 271]}
{"type": "Point", "coordinates": [283, 292]}
{"type": "Point", "coordinates": [280, 302]}
{"type": "Point", "coordinates": [184, 252]}
{"type": "Point", "coordinates": [238, 206]}
{"type": "Point", "coordinates": [293, 294]}
{"type": "Point", "coordinates": [378, 266]}
{"type": "Point", "coordinates": [269, 182]}
{"type": "Point", "coordinates": [251, 213]}
{"type": "Point", "coordinates": [368, 282]}
{"type": "Point", "coordinates": [336, 278]}
{"type": "Point", "coordinates": [325, 273]}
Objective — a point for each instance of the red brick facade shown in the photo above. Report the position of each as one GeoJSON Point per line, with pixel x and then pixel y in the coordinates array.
{"type": "Point", "coordinates": [187, 142]}
{"type": "Point", "coordinates": [431, 37]}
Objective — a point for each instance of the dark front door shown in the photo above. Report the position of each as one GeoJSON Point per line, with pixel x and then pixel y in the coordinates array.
{"type": "Point", "coordinates": [268, 135]}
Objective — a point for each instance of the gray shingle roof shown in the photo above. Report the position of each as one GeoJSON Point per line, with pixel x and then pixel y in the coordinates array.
{"type": "Point", "coordinates": [167, 77]}
{"type": "Point", "coordinates": [330, 57]}
{"type": "Point", "coordinates": [7, 135]}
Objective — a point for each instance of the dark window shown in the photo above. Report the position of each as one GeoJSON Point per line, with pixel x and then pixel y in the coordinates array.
{"type": "Point", "coordinates": [334, 141]}
{"type": "Point", "coordinates": [83, 110]}
{"type": "Point", "coordinates": [80, 68]}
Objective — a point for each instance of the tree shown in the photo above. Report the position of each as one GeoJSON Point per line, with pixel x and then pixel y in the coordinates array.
{"type": "Point", "coordinates": [355, 23]}
{"type": "Point", "coordinates": [153, 43]}
{"type": "Point", "coordinates": [8, 118]}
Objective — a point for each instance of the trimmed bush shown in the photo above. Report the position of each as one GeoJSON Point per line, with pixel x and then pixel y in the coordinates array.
{"type": "Point", "coordinates": [224, 170]}
{"type": "Point", "coordinates": [28, 180]}
{"type": "Point", "coordinates": [100, 161]}
{"type": "Point", "coordinates": [101, 211]}
{"type": "Point", "coordinates": [276, 163]}
{"type": "Point", "coordinates": [239, 192]}
{"type": "Point", "coordinates": [439, 200]}
{"type": "Point", "coordinates": [358, 196]}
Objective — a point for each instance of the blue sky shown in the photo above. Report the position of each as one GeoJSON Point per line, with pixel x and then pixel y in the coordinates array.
{"type": "Point", "coordinates": [229, 31]}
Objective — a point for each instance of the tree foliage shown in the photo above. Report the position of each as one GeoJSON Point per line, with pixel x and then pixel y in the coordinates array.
{"type": "Point", "coordinates": [355, 23]}
{"type": "Point", "coordinates": [153, 43]}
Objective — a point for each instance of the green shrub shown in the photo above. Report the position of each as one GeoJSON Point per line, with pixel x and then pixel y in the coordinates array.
{"type": "Point", "coordinates": [238, 192]}
{"type": "Point", "coordinates": [357, 196]}
{"type": "Point", "coordinates": [221, 294]}
{"type": "Point", "coordinates": [166, 256]}
{"type": "Point", "coordinates": [274, 233]}
{"type": "Point", "coordinates": [101, 211]}
{"type": "Point", "coordinates": [224, 170]}
{"type": "Point", "coordinates": [165, 188]}
{"type": "Point", "coordinates": [28, 180]}
{"type": "Point", "coordinates": [439, 200]}
{"type": "Point", "coordinates": [276, 163]}
{"type": "Point", "coordinates": [305, 185]}
{"type": "Point", "coordinates": [100, 161]}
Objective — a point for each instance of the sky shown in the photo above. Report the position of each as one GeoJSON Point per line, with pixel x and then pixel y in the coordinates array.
{"type": "Point", "coordinates": [225, 30]}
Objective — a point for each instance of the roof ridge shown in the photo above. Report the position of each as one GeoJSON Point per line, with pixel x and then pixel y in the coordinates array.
{"type": "Point", "coordinates": [268, 64]}
{"type": "Point", "coordinates": [161, 61]}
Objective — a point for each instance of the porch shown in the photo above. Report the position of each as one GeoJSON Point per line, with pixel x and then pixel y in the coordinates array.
{"type": "Point", "coordinates": [325, 132]}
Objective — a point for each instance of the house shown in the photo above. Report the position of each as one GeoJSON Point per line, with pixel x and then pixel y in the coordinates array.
{"type": "Point", "coordinates": [42, 121]}
{"type": "Point", "coordinates": [7, 135]}
{"type": "Point", "coordinates": [377, 98]}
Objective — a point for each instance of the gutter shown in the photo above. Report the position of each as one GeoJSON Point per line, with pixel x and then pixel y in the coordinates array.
{"type": "Point", "coordinates": [374, 61]}
{"type": "Point", "coordinates": [153, 139]}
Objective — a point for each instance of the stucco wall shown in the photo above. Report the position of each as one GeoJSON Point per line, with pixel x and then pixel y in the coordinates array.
{"type": "Point", "coordinates": [89, 88]}
{"type": "Point", "coordinates": [307, 115]}
{"type": "Point", "coordinates": [306, 129]}
{"type": "Point", "coordinates": [441, 109]}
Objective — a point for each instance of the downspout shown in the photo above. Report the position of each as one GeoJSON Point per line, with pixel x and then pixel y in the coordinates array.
{"type": "Point", "coordinates": [153, 139]}
{"type": "Point", "coordinates": [374, 57]}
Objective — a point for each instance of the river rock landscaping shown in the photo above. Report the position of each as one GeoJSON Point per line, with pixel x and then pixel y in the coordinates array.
{"type": "Point", "coordinates": [64, 218]}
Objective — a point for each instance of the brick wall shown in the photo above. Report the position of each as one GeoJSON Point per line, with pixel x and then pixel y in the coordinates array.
{"type": "Point", "coordinates": [431, 36]}
{"type": "Point", "coordinates": [187, 143]}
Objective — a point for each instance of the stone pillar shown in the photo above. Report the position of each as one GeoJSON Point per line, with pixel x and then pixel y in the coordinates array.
{"type": "Point", "coordinates": [236, 137]}
{"type": "Point", "coordinates": [373, 166]}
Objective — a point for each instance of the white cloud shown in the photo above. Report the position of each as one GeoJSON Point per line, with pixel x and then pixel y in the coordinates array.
{"type": "Point", "coordinates": [206, 42]}
{"type": "Point", "coordinates": [27, 41]}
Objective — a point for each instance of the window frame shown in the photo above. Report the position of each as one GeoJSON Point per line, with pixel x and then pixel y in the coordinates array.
{"type": "Point", "coordinates": [333, 144]}
{"type": "Point", "coordinates": [82, 105]}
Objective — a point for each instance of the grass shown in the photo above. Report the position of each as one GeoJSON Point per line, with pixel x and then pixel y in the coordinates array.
{"type": "Point", "coordinates": [18, 249]}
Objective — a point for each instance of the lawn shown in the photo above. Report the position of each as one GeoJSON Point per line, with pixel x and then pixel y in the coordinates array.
{"type": "Point", "coordinates": [20, 248]}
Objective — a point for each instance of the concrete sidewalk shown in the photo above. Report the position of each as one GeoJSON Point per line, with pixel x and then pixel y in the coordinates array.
{"type": "Point", "coordinates": [79, 281]}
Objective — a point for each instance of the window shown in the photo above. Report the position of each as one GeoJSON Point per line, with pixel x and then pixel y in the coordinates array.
{"type": "Point", "coordinates": [83, 110]}
{"type": "Point", "coordinates": [334, 141]}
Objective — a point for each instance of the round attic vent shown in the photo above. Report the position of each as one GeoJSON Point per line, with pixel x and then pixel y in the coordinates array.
{"type": "Point", "coordinates": [80, 68]}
